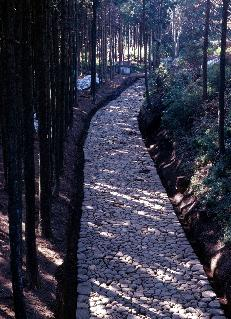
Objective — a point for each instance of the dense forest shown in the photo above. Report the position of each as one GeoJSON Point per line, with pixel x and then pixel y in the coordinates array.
{"type": "Point", "coordinates": [56, 54]}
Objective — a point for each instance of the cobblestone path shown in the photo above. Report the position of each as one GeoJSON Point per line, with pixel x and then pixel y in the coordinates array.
{"type": "Point", "coordinates": [134, 258]}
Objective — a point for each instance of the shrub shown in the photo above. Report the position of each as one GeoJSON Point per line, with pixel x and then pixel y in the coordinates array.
{"type": "Point", "coordinates": [192, 54]}
{"type": "Point", "coordinates": [159, 80]}
{"type": "Point", "coordinates": [184, 102]}
{"type": "Point", "coordinates": [214, 78]}
{"type": "Point", "coordinates": [206, 144]}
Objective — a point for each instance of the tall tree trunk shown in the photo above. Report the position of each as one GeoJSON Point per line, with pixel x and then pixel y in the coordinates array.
{"type": "Point", "coordinates": [110, 39]}
{"type": "Point", "coordinates": [145, 35]}
{"type": "Point", "coordinates": [28, 133]}
{"type": "Point", "coordinates": [42, 74]}
{"type": "Point", "coordinates": [58, 105]}
{"type": "Point", "coordinates": [205, 50]}
{"type": "Point", "coordinates": [14, 162]}
{"type": "Point", "coordinates": [3, 74]}
{"type": "Point", "coordinates": [63, 83]}
{"type": "Point", "coordinates": [120, 46]}
{"type": "Point", "coordinates": [93, 52]}
{"type": "Point", "coordinates": [157, 56]}
{"type": "Point", "coordinates": [221, 111]}
{"type": "Point", "coordinates": [128, 42]}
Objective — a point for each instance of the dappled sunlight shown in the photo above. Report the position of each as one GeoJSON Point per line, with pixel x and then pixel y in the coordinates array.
{"type": "Point", "coordinates": [214, 263]}
{"type": "Point", "coordinates": [146, 214]}
{"type": "Point", "coordinates": [50, 254]}
{"type": "Point", "coordinates": [162, 276]}
{"type": "Point", "coordinates": [151, 203]}
{"type": "Point", "coordinates": [130, 304]}
{"type": "Point", "coordinates": [41, 306]}
{"type": "Point", "coordinates": [6, 311]}
{"type": "Point", "coordinates": [106, 234]}
{"type": "Point", "coordinates": [134, 257]}
{"type": "Point", "coordinates": [141, 200]}
{"type": "Point", "coordinates": [5, 285]}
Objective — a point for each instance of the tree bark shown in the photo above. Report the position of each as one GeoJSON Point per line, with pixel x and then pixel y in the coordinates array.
{"type": "Point", "coordinates": [42, 75]}
{"type": "Point", "coordinates": [221, 111]}
{"type": "Point", "coordinates": [28, 133]}
{"type": "Point", "coordinates": [13, 132]}
{"type": "Point", "coordinates": [93, 52]}
{"type": "Point", "coordinates": [145, 35]}
{"type": "Point", "coordinates": [205, 50]}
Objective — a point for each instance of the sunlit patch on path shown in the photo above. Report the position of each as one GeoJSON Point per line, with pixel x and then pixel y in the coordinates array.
{"type": "Point", "coordinates": [134, 260]}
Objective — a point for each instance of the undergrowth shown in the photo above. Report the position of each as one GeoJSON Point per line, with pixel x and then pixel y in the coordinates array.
{"type": "Point", "coordinates": [193, 126]}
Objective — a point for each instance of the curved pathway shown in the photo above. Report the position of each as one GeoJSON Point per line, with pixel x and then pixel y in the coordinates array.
{"type": "Point", "coordinates": [134, 260]}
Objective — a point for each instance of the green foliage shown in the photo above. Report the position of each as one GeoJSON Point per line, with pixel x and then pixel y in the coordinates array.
{"type": "Point", "coordinates": [136, 68]}
{"type": "Point", "coordinates": [214, 48]}
{"type": "Point", "coordinates": [159, 80]}
{"type": "Point", "coordinates": [214, 78]}
{"type": "Point", "coordinates": [182, 101]}
{"type": "Point", "coordinates": [211, 182]}
{"type": "Point", "coordinates": [192, 54]}
{"type": "Point", "coordinates": [194, 126]}
{"type": "Point", "coordinates": [218, 194]}
{"type": "Point", "coordinates": [218, 51]}
{"type": "Point", "coordinates": [206, 144]}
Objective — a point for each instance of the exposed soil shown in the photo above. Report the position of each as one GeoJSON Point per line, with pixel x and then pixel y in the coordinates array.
{"type": "Point", "coordinates": [200, 229]}
{"type": "Point", "coordinates": [66, 214]}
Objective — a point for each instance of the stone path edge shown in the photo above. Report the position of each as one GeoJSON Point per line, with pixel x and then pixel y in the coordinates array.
{"type": "Point", "coordinates": [66, 274]}
{"type": "Point", "coordinates": [177, 196]}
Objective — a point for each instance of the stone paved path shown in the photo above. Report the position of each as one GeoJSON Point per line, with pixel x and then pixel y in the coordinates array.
{"type": "Point", "coordinates": [134, 259]}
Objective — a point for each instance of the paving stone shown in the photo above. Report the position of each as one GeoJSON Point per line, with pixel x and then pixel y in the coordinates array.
{"type": "Point", "coordinates": [83, 313]}
{"type": "Point", "coordinates": [214, 304]}
{"type": "Point", "coordinates": [134, 259]}
{"type": "Point", "coordinates": [208, 294]}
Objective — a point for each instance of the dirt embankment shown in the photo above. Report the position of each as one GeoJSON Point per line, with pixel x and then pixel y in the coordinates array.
{"type": "Point", "coordinates": [51, 297]}
{"type": "Point", "coordinates": [201, 230]}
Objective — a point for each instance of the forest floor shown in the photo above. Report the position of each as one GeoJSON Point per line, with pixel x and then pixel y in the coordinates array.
{"type": "Point", "coordinates": [134, 260]}
{"type": "Point", "coordinates": [41, 302]}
